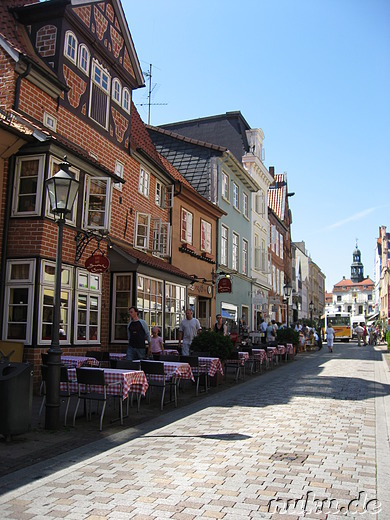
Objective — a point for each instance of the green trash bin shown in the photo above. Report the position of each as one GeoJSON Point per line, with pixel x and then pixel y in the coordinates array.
{"type": "Point", "coordinates": [16, 395]}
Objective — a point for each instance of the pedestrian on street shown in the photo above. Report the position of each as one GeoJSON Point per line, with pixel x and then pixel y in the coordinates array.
{"type": "Point", "coordinates": [263, 331]}
{"type": "Point", "coordinates": [364, 334]}
{"type": "Point", "coordinates": [359, 333]}
{"type": "Point", "coordinates": [219, 326]}
{"type": "Point", "coordinates": [188, 329]}
{"type": "Point", "coordinates": [137, 333]}
{"type": "Point", "coordinates": [156, 343]}
{"type": "Point", "coordinates": [330, 334]}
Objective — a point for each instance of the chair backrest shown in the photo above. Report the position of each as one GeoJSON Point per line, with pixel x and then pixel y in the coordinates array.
{"type": "Point", "coordinates": [200, 354]}
{"type": "Point", "coordinates": [128, 364]}
{"type": "Point", "coordinates": [113, 363]}
{"type": "Point", "coordinates": [169, 357]}
{"type": "Point", "coordinates": [97, 354]}
{"type": "Point", "coordinates": [247, 349]}
{"type": "Point", "coordinates": [193, 361]}
{"type": "Point", "coordinates": [152, 367]}
{"type": "Point", "coordinates": [233, 355]}
{"type": "Point", "coordinates": [44, 372]}
{"type": "Point", "coordinates": [45, 358]}
{"type": "Point", "coordinates": [90, 376]}
{"type": "Point", "coordinates": [64, 376]}
{"type": "Point", "coordinates": [156, 357]}
{"type": "Point", "coordinates": [105, 356]}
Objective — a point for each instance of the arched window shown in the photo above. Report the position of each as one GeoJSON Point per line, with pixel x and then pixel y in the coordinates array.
{"type": "Point", "coordinates": [116, 90]}
{"type": "Point", "coordinates": [84, 57]}
{"type": "Point", "coordinates": [70, 47]}
{"type": "Point", "coordinates": [126, 100]}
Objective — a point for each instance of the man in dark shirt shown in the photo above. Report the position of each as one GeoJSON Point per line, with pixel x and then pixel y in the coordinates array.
{"type": "Point", "coordinates": [137, 332]}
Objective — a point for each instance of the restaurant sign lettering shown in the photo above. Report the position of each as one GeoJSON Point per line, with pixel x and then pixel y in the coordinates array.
{"type": "Point", "coordinates": [97, 263]}
{"type": "Point", "coordinates": [224, 285]}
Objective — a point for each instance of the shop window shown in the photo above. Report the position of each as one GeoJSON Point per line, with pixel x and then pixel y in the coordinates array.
{"type": "Point", "coordinates": [88, 304]}
{"type": "Point", "coordinates": [175, 304]}
{"type": "Point", "coordinates": [150, 300]}
{"type": "Point", "coordinates": [121, 304]}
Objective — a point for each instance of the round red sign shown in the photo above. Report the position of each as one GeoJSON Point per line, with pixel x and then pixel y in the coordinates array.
{"type": "Point", "coordinates": [224, 285]}
{"type": "Point", "coordinates": [97, 264]}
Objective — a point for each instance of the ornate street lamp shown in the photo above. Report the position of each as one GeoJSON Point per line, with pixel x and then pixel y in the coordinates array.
{"type": "Point", "coordinates": [62, 190]}
{"type": "Point", "coordinates": [311, 308]}
{"type": "Point", "coordinates": [287, 293]}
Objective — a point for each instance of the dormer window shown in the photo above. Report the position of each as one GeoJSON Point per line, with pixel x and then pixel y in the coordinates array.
{"type": "Point", "coordinates": [70, 48]}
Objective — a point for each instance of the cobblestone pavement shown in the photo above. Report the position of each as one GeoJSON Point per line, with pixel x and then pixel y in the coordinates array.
{"type": "Point", "coordinates": [310, 439]}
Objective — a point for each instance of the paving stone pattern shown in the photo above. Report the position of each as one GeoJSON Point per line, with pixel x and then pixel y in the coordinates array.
{"type": "Point", "coordinates": [304, 433]}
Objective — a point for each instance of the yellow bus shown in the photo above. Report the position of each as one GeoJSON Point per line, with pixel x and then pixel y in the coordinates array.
{"type": "Point", "coordinates": [340, 321]}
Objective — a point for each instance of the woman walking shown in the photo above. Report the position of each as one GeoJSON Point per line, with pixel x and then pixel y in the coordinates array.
{"type": "Point", "coordinates": [330, 337]}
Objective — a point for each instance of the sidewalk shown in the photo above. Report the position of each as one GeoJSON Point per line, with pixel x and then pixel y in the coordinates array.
{"type": "Point", "coordinates": [312, 431]}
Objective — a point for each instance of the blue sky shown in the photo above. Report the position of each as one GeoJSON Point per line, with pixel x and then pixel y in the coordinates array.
{"type": "Point", "coordinates": [314, 75]}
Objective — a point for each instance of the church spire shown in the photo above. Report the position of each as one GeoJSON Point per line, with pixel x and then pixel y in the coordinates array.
{"type": "Point", "coordinates": [357, 268]}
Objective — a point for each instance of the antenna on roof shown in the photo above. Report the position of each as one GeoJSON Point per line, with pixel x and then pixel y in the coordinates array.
{"type": "Point", "coordinates": [148, 74]}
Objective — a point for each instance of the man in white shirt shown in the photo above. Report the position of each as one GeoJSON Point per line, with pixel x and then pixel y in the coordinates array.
{"type": "Point", "coordinates": [188, 329]}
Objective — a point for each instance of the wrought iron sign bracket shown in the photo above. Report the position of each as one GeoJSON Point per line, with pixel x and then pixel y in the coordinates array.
{"type": "Point", "coordinates": [84, 238]}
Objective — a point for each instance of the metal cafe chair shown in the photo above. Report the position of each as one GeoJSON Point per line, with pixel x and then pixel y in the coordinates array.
{"type": "Point", "coordinates": [199, 371]}
{"type": "Point", "coordinates": [87, 379]}
{"type": "Point", "coordinates": [155, 373]}
{"type": "Point", "coordinates": [233, 362]}
{"type": "Point", "coordinates": [64, 394]}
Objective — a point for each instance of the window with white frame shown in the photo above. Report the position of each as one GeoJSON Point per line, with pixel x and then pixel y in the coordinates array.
{"type": "Point", "coordinates": [98, 192]}
{"type": "Point", "coordinates": [88, 304]}
{"type": "Point", "coordinates": [264, 257]}
{"type": "Point", "coordinates": [150, 300]}
{"type": "Point", "coordinates": [70, 46]}
{"type": "Point", "coordinates": [245, 207]}
{"type": "Point", "coordinates": [236, 196]}
{"type": "Point", "coordinates": [19, 297]}
{"type": "Point", "coordinates": [260, 202]}
{"type": "Point", "coordinates": [161, 238]}
{"type": "Point", "coordinates": [281, 282]}
{"type": "Point", "coordinates": [186, 226]}
{"type": "Point", "coordinates": [257, 253]}
{"type": "Point", "coordinates": [116, 91]}
{"type": "Point", "coordinates": [273, 237]}
{"type": "Point", "coordinates": [175, 304]}
{"type": "Point", "coordinates": [245, 252]}
{"type": "Point", "coordinates": [99, 104]}
{"type": "Point", "coordinates": [225, 186]}
{"type": "Point", "coordinates": [84, 58]}
{"type": "Point", "coordinates": [120, 171]}
{"type": "Point", "coordinates": [142, 229]}
{"type": "Point", "coordinates": [126, 99]}
{"type": "Point", "coordinates": [277, 242]}
{"type": "Point", "coordinates": [277, 281]}
{"type": "Point", "coordinates": [54, 167]}
{"type": "Point", "coordinates": [224, 245]}
{"type": "Point", "coordinates": [28, 185]}
{"type": "Point", "coordinates": [122, 284]}
{"type": "Point", "coordinates": [159, 194]}
{"type": "Point", "coordinates": [46, 307]}
{"type": "Point", "coordinates": [274, 278]}
{"type": "Point", "coordinates": [143, 182]}
{"type": "Point", "coordinates": [205, 236]}
{"type": "Point", "coordinates": [235, 251]}
{"type": "Point", "coordinates": [281, 246]}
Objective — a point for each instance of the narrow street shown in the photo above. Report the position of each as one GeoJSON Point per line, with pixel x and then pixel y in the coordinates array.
{"type": "Point", "coordinates": [307, 440]}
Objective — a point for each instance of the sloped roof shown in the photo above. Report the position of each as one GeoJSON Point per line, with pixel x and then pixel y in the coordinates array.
{"type": "Point", "coordinates": [143, 258]}
{"type": "Point", "coordinates": [277, 195]}
{"type": "Point", "coordinates": [346, 284]}
{"type": "Point", "coordinates": [226, 130]}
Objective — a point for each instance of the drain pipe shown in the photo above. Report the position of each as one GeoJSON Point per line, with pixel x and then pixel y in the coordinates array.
{"type": "Point", "coordinates": [21, 76]}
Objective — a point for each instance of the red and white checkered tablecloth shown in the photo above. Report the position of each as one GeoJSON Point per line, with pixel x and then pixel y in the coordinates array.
{"type": "Point", "coordinates": [117, 355]}
{"type": "Point", "coordinates": [130, 381]}
{"type": "Point", "coordinates": [281, 350]}
{"type": "Point", "coordinates": [290, 348]}
{"type": "Point", "coordinates": [78, 361]}
{"type": "Point", "coordinates": [260, 353]}
{"type": "Point", "coordinates": [213, 365]}
{"type": "Point", "coordinates": [174, 369]}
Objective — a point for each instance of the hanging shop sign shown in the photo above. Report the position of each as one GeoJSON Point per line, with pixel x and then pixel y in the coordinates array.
{"type": "Point", "coordinates": [97, 263]}
{"type": "Point", "coordinates": [224, 285]}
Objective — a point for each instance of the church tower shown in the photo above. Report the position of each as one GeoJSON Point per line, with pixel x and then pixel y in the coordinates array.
{"type": "Point", "coordinates": [357, 268]}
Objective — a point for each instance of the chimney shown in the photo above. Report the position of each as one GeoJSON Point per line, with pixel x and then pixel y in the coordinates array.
{"type": "Point", "coordinates": [272, 171]}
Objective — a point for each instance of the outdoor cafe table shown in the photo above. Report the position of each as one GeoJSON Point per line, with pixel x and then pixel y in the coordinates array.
{"type": "Point", "coordinates": [130, 381]}
{"type": "Point", "coordinates": [171, 352]}
{"type": "Point", "coordinates": [174, 369]}
{"type": "Point", "coordinates": [261, 354]}
{"type": "Point", "coordinates": [78, 361]}
{"type": "Point", "coordinates": [117, 355]}
{"type": "Point", "coordinates": [212, 365]}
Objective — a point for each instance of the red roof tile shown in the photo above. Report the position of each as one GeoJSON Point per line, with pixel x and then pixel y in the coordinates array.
{"type": "Point", "coordinates": [277, 193]}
